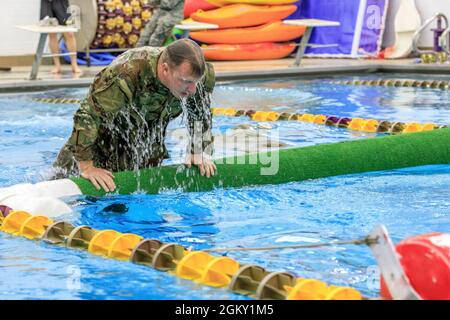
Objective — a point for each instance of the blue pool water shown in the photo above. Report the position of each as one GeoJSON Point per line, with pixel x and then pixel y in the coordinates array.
{"type": "Point", "coordinates": [408, 201]}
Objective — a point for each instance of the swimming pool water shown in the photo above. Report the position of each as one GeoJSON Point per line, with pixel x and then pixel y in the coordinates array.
{"type": "Point", "coordinates": [409, 201]}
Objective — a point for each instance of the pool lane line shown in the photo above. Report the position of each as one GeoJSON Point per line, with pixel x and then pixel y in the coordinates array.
{"type": "Point", "coordinates": [356, 124]}
{"type": "Point", "coordinates": [197, 266]}
{"type": "Point", "coordinates": [408, 83]}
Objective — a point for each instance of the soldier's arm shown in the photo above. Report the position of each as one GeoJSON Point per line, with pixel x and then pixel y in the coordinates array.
{"type": "Point", "coordinates": [85, 130]}
{"type": "Point", "coordinates": [99, 108]}
{"type": "Point", "coordinates": [84, 134]}
{"type": "Point", "coordinates": [200, 116]}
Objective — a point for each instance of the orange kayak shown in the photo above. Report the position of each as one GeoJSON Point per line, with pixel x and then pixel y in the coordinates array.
{"type": "Point", "coordinates": [191, 6]}
{"type": "Point", "coordinates": [256, 51]}
{"type": "Point", "coordinates": [221, 3]}
{"type": "Point", "coordinates": [243, 15]}
{"type": "Point", "coordinates": [270, 32]}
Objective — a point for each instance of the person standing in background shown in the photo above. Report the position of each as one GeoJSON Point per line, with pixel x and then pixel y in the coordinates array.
{"type": "Point", "coordinates": [59, 9]}
{"type": "Point", "coordinates": [166, 14]}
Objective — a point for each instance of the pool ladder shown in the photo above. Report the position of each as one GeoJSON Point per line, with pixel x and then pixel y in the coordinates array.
{"type": "Point", "coordinates": [441, 51]}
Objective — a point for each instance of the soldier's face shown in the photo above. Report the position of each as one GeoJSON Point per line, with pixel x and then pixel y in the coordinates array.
{"type": "Point", "coordinates": [181, 81]}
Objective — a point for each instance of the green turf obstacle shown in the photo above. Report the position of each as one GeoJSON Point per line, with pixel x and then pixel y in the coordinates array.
{"type": "Point", "coordinates": [294, 164]}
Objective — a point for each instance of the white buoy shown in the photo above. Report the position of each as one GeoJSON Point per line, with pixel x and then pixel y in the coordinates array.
{"type": "Point", "coordinates": [43, 206]}
{"type": "Point", "coordinates": [41, 198]}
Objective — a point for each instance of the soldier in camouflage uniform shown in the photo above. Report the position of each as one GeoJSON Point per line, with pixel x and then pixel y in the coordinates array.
{"type": "Point", "coordinates": [122, 123]}
{"type": "Point", "coordinates": [166, 15]}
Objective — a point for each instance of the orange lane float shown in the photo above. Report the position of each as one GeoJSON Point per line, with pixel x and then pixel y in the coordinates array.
{"type": "Point", "coordinates": [243, 15]}
{"type": "Point", "coordinates": [275, 31]}
{"type": "Point", "coordinates": [256, 51]}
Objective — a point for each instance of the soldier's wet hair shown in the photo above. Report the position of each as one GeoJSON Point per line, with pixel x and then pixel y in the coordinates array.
{"type": "Point", "coordinates": [185, 50]}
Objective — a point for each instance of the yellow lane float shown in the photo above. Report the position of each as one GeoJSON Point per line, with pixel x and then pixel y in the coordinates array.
{"type": "Point", "coordinates": [319, 119]}
{"type": "Point", "coordinates": [190, 267]}
{"type": "Point", "coordinates": [311, 289]}
{"type": "Point", "coordinates": [356, 124]}
{"type": "Point", "coordinates": [265, 116]}
{"type": "Point", "coordinates": [122, 246]}
{"type": "Point", "coordinates": [412, 127]}
{"type": "Point", "coordinates": [342, 293]}
{"type": "Point", "coordinates": [13, 221]}
{"type": "Point", "coordinates": [34, 227]}
{"type": "Point", "coordinates": [101, 242]}
{"type": "Point", "coordinates": [369, 125]}
{"type": "Point", "coordinates": [229, 112]}
{"type": "Point", "coordinates": [429, 126]}
{"type": "Point", "coordinates": [306, 117]}
{"type": "Point", "coordinates": [218, 272]}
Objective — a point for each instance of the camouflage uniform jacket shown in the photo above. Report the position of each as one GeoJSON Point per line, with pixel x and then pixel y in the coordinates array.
{"type": "Point", "coordinates": [122, 123]}
{"type": "Point", "coordinates": [167, 5]}
{"type": "Point", "coordinates": [172, 9]}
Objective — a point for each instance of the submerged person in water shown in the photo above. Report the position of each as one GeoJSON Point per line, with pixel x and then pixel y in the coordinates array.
{"type": "Point", "coordinates": [121, 124]}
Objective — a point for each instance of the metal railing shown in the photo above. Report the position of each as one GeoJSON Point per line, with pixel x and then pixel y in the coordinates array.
{"type": "Point", "coordinates": [422, 28]}
{"type": "Point", "coordinates": [444, 40]}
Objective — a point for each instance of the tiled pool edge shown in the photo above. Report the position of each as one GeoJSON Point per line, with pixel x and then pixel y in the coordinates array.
{"type": "Point", "coordinates": [285, 72]}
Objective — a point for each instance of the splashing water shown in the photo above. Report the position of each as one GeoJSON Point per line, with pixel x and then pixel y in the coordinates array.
{"type": "Point", "coordinates": [136, 136]}
{"type": "Point", "coordinates": [195, 112]}
{"type": "Point", "coordinates": [139, 140]}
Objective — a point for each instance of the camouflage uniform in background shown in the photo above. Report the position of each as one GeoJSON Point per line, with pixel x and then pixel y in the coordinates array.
{"type": "Point", "coordinates": [166, 15]}
{"type": "Point", "coordinates": [122, 123]}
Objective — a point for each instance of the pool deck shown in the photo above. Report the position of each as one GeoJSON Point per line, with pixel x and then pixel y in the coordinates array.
{"type": "Point", "coordinates": [16, 79]}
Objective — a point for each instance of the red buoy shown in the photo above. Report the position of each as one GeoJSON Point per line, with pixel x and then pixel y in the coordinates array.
{"type": "Point", "coordinates": [426, 262]}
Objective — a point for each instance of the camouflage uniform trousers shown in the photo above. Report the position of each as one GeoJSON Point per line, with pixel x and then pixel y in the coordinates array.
{"type": "Point", "coordinates": [158, 29]}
